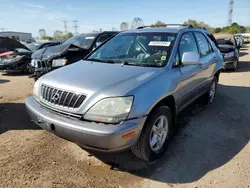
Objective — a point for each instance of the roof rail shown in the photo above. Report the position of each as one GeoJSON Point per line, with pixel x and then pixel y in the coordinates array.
{"type": "Point", "coordinates": [166, 25]}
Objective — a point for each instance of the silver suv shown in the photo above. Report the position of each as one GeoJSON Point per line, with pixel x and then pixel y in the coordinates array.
{"type": "Point", "coordinates": [128, 91]}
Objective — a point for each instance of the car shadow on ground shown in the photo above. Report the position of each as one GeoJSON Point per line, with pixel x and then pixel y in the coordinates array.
{"type": "Point", "coordinates": [2, 81]}
{"type": "Point", "coordinates": [13, 74]}
{"type": "Point", "coordinates": [243, 54]}
{"type": "Point", "coordinates": [13, 116]}
{"type": "Point", "coordinates": [207, 137]}
{"type": "Point", "coordinates": [244, 66]}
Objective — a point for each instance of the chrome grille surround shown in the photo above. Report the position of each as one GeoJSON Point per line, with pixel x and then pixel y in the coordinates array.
{"type": "Point", "coordinates": [62, 98]}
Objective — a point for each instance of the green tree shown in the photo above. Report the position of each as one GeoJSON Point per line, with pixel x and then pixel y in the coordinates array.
{"type": "Point", "coordinates": [42, 33]}
{"type": "Point", "coordinates": [124, 26]}
{"type": "Point", "coordinates": [68, 35]}
{"type": "Point", "coordinates": [201, 24]}
{"type": "Point", "coordinates": [58, 35]}
{"type": "Point", "coordinates": [217, 30]}
{"type": "Point", "coordinates": [158, 24]}
{"type": "Point", "coordinates": [137, 22]}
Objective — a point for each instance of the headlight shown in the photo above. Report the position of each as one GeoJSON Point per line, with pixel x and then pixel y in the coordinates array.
{"type": "Point", "coordinates": [110, 110]}
{"type": "Point", "coordinates": [36, 90]}
{"type": "Point", "coordinates": [59, 62]}
{"type": "Point", "coordinates": [229, 55]}
{"type": "Point", "coordinates": [33, 63]}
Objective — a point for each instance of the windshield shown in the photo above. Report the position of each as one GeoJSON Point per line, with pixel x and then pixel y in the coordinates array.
{"type": "Point", "coordinates": [225, 42]}
{"type": "Point", "coordinates": [139, 49]}
{"type": "Point", "coordinates": [83, 41]}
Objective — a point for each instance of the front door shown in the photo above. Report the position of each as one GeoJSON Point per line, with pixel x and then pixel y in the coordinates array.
{"type": "Point", "coordinates": [189, 76]}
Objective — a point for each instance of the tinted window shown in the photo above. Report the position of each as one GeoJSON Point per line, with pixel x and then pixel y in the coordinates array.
{"type": "Point", "coordinates": [203, 44]}
{"type": "Point", "coordinates": [187, 44]}
{"type": "Point", "coordinates": [83, 41]}
{"type": "Point", "coordinates": [102, 38]}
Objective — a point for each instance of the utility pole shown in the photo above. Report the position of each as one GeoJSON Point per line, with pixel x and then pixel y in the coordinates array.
{"type": "Point", "coordinates": [230, 12]}
{"type": "Point", "coordinates": [65, 26]}
{"type": "Point", "coordinates": [75, 26]}
{"type": "Point", "coordinates": [2, 29]}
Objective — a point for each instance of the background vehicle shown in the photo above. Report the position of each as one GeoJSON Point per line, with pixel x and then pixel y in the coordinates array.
{"type": "Point", "coordinates": [72, 50]}
{"type": "Point", "coordinates": [128, 91]}
{"type": "Point", "coordinates": [50, 43]}
{"type": "Point", "coordinates": [16, 56]}
{"type": "Point", "coordinates": [228, 47]}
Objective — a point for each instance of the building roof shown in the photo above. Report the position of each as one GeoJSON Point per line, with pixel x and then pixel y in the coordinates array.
{"type": "Point", "coordinates": [3, 32]}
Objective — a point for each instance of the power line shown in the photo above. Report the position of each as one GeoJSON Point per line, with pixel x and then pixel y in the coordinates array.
{"type": "Point", "coordinates": [75, 26]}
{"type": "Point", "coordinates": [65, 26]}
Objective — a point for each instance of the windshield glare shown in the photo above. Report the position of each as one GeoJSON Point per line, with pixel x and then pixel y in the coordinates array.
{"type": "Point", "coordinates": [83, 41]}
{"type": "Point", "coordinates": [138, 49]}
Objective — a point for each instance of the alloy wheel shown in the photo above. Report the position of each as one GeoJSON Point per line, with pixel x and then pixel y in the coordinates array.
{"type": "Point", "coordinates": [159, 133]}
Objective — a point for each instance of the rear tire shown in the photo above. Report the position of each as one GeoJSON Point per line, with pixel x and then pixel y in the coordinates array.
{"type": "Point", "coordinates": [209, 97]}
{"type": "Point", "coordinates": [145, 148]}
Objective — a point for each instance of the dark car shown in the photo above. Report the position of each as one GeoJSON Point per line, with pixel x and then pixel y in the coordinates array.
{"type": "Point", "coordinates": [71, 51]}
{"type": "Point", "coordinates": [228, 47]}
{"type": "Point", "coordinates": [15, 56]}
{"type": "Point", "coordinates": [49, 44]}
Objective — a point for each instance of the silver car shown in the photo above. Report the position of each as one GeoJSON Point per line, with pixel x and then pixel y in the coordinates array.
{"type": "Point", "coordinates": [128, 91]}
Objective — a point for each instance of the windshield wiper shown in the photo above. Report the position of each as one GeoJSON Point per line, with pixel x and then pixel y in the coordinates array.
{"type": "Point", "coordinates": [100, 60]}
{"type": "Point", "coordinates": [142, 64]}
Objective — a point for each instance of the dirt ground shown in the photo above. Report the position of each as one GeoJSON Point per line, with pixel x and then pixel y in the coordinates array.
{"type": "Point", "coordinates": [210, 147]}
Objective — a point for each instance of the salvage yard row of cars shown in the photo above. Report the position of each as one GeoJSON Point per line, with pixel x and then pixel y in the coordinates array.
{"type": "Point", "coordinates": [124, 90]}
{"type": "Point", "coordinates": [41, 59]}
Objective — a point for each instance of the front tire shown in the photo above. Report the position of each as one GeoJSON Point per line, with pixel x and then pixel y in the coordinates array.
{"type": "Point", "coordinates": [155, 135]}
{"type": "Point", "coordinates": [27, 68]}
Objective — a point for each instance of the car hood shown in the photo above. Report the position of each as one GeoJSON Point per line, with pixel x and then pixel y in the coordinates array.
{"type": "Point", "coordinates": [99, 80]}
{"type": "Point", "coordinates": [52, 52]}
{"type": "Point", "coordinates": [11, 44]}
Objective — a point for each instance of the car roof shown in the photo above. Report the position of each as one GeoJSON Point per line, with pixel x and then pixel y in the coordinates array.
{"type": "Point", "coordinates": [154, 30]}
{"type": "Point", "coordinates": [98, 33]}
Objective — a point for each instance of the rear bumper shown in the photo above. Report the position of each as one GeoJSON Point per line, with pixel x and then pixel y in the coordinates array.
{"type": "Point", "coordinates": [230, 63]}
{"type": "Point", "coordinates": [94, 136]}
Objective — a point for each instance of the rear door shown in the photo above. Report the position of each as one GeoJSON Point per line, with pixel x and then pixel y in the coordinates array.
{"type": "Point", "coordinates": [207, 61]}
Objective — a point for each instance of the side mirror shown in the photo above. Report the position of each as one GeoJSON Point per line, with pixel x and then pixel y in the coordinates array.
{"type": "Point", "coordinates": [191, 58]}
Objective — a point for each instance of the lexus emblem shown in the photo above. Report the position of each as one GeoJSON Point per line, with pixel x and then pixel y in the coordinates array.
{"type": "Point", "coordinates": [55, 96]}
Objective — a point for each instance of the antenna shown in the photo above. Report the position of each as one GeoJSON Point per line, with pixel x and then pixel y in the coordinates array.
{"type": "Point", "coordinates": [65, 26]}
{"type": "Point", "coordinates": [75, 26]}
{"type": "Point", "coordinates": [230, 12]}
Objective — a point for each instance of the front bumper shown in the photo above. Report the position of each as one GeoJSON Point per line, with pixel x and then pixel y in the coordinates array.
{"type": "Point", "coordinates": [95, 136]}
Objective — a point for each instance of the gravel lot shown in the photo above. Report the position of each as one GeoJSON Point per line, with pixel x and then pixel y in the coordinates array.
{"type": "Point", "coordinates": [210, 148]}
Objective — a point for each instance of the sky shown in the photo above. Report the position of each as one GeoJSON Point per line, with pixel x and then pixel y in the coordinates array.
{"type": "Point", "coordinates": [32, 15]}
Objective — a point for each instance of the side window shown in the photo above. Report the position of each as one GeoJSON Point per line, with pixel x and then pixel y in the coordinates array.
{"type": "Point", "coordinates": [203, 44]}
{"type": "Point", "coordinates": [210, 47]}
{"type": "Point", "coordinates": [104, 37]}
{"type": "Point", "coordinates": [177, 62]}
{"type": "Point", "coordinates": [187, 44]}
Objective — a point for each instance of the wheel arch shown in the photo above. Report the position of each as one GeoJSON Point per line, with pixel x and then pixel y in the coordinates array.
{"type": "Point", "coordinates": [217, 74]}
{"type": "Point", "coordinates": [167, 101]}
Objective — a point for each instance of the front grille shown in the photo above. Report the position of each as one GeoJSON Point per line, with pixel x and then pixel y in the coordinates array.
{"type": "Point", "coordinates": [61, 98]}
{"type": "Point", "coordinates": [40, 64]}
